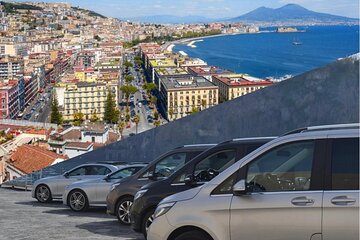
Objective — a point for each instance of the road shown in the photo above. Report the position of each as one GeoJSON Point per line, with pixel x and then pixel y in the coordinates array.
{"type": "Point", "coordinates": [22, 217]}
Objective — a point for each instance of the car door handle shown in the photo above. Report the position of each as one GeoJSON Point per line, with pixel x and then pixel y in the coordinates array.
{"type": "Point", "coordinates": [343, 200]}
{"type": "Point", "coordinates": [302, 201]}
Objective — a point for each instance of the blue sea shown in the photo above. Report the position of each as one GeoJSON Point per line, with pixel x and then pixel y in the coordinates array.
{"type": "Point", "coordinates": [274, 54]}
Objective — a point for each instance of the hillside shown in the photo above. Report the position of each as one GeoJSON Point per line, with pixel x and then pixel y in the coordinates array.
{"type": "Point", "coordinates": [288, 12]}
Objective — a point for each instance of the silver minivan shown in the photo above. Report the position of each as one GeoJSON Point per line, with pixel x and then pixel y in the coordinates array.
{"type": "Point", "coordinates": [303, 185]}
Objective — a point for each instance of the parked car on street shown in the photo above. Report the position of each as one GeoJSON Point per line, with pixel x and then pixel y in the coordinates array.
{"type": "Point", "coordinates": [121, 196]}
{"type": "Point", "coordinates": [195, 173]}
{"type": "Point", "coordinates": [49, 188]}
{"type": "Point", "coordinates": [303, 185]}
{"type": "Point", "coordinates": [81, 195]}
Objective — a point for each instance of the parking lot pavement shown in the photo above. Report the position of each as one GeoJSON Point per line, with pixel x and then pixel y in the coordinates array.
{"type": "Point", "coordinates": [22, 217]}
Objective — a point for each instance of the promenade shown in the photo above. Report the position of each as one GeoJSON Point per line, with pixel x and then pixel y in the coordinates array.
{"type": "Point", "coordinates": [22, 217]}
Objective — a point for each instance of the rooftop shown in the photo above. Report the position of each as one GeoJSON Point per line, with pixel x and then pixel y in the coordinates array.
{"type": "Point", "coordinates": [29, 158]}
{"type": "Point", "coordinates": [166, 71]}
{"type": "Point", "coordinates": [209, 70]}
{"type": "Point", "coordinates": [180, 82]}
{"type": "Point", "coordinates": [79, 145]}
{"type": "Point", "coordinates": [162, 63]}
{"type": "Point", "coordinates": [237, 80]}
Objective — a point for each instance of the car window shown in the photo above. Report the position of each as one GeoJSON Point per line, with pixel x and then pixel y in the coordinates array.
{"type": "Point", "coordinates": [174, 162]}
{"type": "Point", "coordinates": [97, 170]}
{"type": "Point", "coordinates": [211, 166]}
{"type": "Point", "coordinates": [345, 164]}
{"type": "Point", "coordinates": [226, 187]}
{"type": "Point", "coordinates": [285, 168]}
{"type": "Point", "coordinates": [124, 173]}
{"type": "Point", "coordinates": [78, 172]}
{"type": "Point", "coordinates": [170, 164]}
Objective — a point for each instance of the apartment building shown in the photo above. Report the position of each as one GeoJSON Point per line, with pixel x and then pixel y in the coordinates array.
{"type": "Point", "coordinates": [84, 97]}
{"type": "Point", "coordinates": [180, 96]}
{"type": "Point", "coordinates": [168, 72]}
{"type": "Point", "coordinates": [11, 67]}
{"type": "Point", "coordinates": [237, 85]}
{"type": "Point", "coordinates": [9, 105]}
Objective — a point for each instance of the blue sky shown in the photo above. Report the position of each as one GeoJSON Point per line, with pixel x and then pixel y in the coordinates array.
{"type": "Point", "coordinates": [207, 8]}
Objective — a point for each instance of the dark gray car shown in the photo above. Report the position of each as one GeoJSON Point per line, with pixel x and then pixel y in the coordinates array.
{"type": "Point", "coordinates": [121, 195]}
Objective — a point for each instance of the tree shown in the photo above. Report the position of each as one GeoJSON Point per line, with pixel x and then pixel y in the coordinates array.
{"type": "Point", "coordinates": [55, 116]}
{"type": "Point", "coordinates": [194, 110]}
{"type": "Point", "coordinates": [203, 103]}
{"type": "Point", "coordinates": [156, 115]}
{"type": "Point", "coordinates": [138, 62]}
{"type": "Point", "coordinates": [153, 100]}
{"type": "Point", "coordinates": [129, 78]}
{"type": "Point", "coordinates": [157, 123]}
{"type": "Point", "coordinates": [148, 87]}
{"type": "Point", "coordinates": [78, 118]}
{"type": "Point", "coordinates": [128, 90]}
{"type": "Point", "coordinates": [171, 113]}
{"type": "Point", "coordinates": [128, 64]}
{"type": "Point", "coordinates": [94, 117]}
{"type": "Point", "coordinates": [111, 114]}
{"type": "Point", "coordinates": [136, 120]}
{"type": "Point", "coordinates": [136, 58]}
{"type": "Point", "coordinates": [121, 127]}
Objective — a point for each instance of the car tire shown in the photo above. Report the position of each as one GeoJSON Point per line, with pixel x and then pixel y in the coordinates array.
{"type": "Point", "coordinates": [78, 201]}
{"type": "Point", "coordinates": [193, 235]}
{"type": "Point", "coordinates": [123, 210]}
{"type": "Point", "coordinates": [147, 221]}
{"type": "Point", "coordinates": [43, 193]}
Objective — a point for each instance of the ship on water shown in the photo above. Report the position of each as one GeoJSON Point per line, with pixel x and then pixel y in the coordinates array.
{"type": "Point", "coordinates": [296, 42]}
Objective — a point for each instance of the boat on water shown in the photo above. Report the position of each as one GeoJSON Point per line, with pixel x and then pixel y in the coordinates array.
{"type": "Point", "coordinates": [296, 42]}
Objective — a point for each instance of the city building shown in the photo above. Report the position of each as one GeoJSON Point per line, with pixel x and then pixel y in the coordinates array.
{"type": "Point", "coordinates": [85, 97]}
{"type": "Point", "coordinates": [9, 105]}
{"type": "Point", "coordinates": [163, 72]}
{"type": "Point", "coordinates": [181, 96]}
{"type": "Point", "coordinates": [11, 67]}
{"type": "Point", "coordinates": [237, 85]}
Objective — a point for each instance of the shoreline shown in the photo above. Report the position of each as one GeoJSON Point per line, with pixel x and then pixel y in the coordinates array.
{"type": "Point", "coordinates": [170, 45]}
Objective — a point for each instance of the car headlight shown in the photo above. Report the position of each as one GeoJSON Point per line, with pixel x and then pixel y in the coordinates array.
{"type": "Point", "coordinates": [113, 186]}
{"type": "Point", "coordinates": [163, 208]}
{"type": "Point", "coordinates": [140, 193]}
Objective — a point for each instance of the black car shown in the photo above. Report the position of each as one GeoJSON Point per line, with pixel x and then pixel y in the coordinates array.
{"type": "Point", "coordinates": [121, 195]}
{"type": "Point", "coordinates": [198, 171]}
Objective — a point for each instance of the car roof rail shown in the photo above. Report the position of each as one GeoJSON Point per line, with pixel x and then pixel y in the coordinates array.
{"type": "Point", "coordinates": [253, 138]}
{"type": "Point", "coordinates": [200, 145]}
{"type": "Point", "coordinates": [324, 128]}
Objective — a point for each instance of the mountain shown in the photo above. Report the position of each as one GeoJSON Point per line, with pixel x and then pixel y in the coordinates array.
{"type": "Point", "coordinates": [289, 12]}
{"type": "Point", "coordinates": [169, 19]}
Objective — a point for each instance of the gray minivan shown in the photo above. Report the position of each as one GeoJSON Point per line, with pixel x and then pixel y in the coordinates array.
{"type": "Point", "coordinates": [303, 185]}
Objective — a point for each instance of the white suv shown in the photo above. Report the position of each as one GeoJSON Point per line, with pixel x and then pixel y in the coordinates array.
{"type": "Point", "coordinates": [303, 185]}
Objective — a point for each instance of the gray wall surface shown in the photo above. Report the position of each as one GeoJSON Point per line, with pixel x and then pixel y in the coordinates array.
{"type": "Point", "coordinates": [327, 95]}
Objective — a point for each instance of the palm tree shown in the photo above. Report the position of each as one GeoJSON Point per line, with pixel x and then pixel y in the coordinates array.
{"type": "Point", "coordinates": [136, 120]}
{"type": "Point", "coordinates": [148, 87]}
{"type": "Point", "coordinates": [129, 78]}
{"type": "Point", "coordinates": [153, 100]}
{"type": "Point", "coordinates": [121, 127]}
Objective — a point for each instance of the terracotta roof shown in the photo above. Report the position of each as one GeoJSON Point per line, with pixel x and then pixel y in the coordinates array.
{"type": "Point", "coordinates": [98, 145]}
{"type": "Point", "coordinates": [74, 134]}
{"type": "Point", "coordinates": [28, 158]}
{"type": "Point", "coordinates": [95, 127]}
{"type": "Point", "coordinates": [113, 137]}
{"type": "Point", "coordinates": [79, 145]}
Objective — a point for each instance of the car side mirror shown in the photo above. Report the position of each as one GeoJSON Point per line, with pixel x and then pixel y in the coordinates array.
{"type": "Point", "coordinates": [152, 177]}
{"type": "Point", "coordinates": [66, 174]}
{"type": "Point", "coordinates": [189, 180]}
{"type": "Point", "coordinates": [239, 188]}
{"type": "Point", "coordinates": [106, 178]}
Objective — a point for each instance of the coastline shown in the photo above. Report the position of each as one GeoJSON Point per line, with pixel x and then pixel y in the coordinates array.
{"type": "Point", "coordinates": [170, 45]}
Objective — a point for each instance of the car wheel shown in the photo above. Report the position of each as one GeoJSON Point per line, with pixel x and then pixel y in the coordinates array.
{"type": "Point", "coordinates": [78, 201]}
{"type": "Point", "coordinates": [147, 221]}
{"type": "Point", "coordinates": [123, 210]}
{"type": "Point", "coordinates": [193, 235]}
{"type": "Point", "coordinates": [43, 194]}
